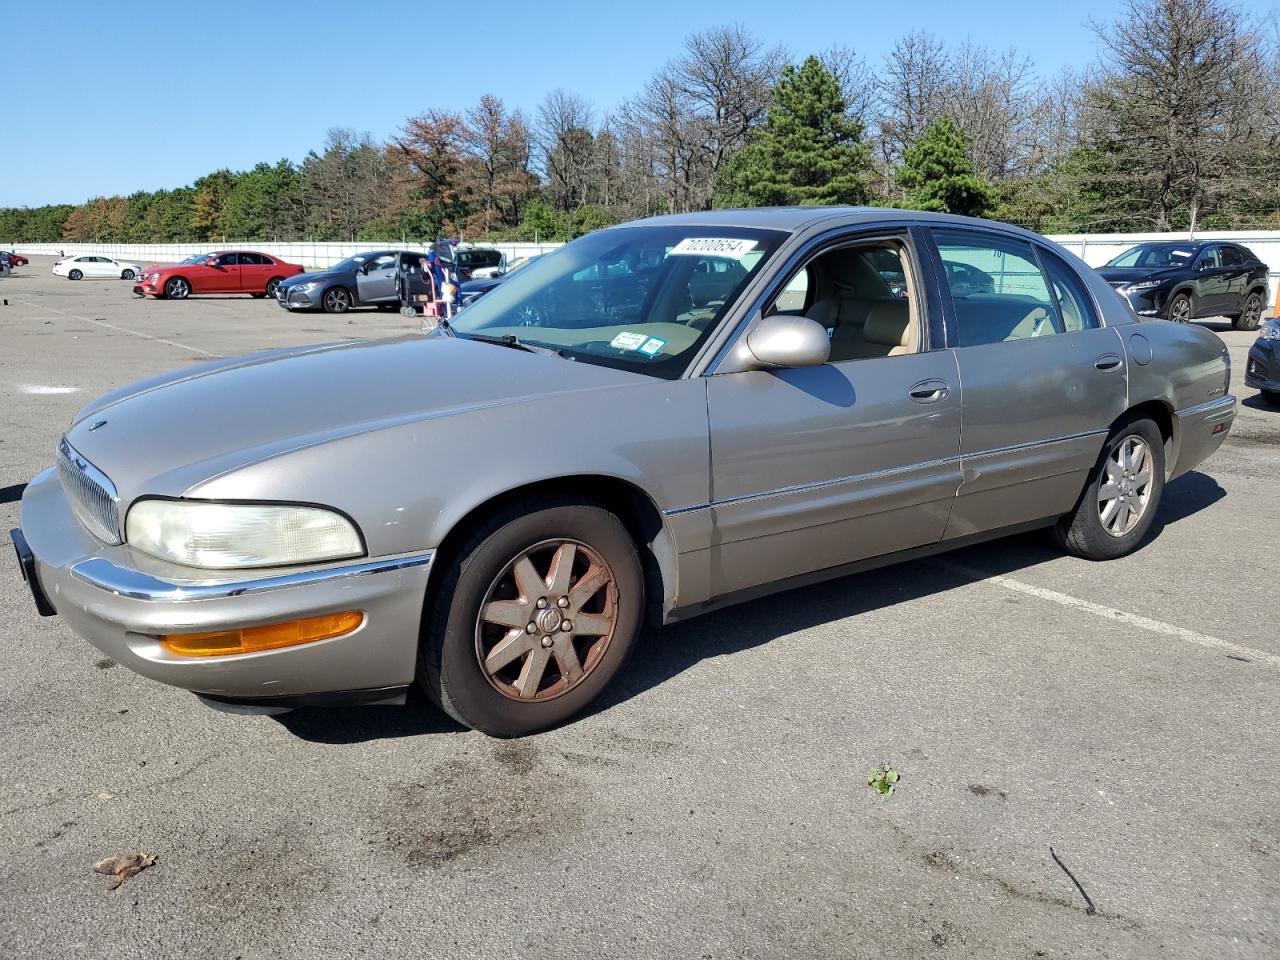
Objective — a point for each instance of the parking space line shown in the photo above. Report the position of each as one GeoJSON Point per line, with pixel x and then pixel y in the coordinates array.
{"type": "Point", "coordinates": [1111, 613]}
{"type": "Point", "coordinates": [112, 326]}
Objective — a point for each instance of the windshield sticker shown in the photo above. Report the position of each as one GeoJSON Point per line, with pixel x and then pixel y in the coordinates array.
{"type": "Point", "coordinates": [628, 341]}
{"type": "Point", "coordinates": [713, 247]}
{"type": "Point", "coordinates": [653, 346]}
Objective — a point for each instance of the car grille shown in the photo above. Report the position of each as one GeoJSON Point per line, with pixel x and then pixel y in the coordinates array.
{"type": "Point", "coordinates": [92, 494]}
{"type": "Point", "coordinates": [1117, 284]}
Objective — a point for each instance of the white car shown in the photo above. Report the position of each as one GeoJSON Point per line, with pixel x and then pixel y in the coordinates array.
{"type": "Point", "coordinates": [78, 268]}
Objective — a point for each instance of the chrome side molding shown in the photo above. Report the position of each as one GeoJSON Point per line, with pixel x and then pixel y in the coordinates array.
{"type": "Point", "coordinates": [136, 585]}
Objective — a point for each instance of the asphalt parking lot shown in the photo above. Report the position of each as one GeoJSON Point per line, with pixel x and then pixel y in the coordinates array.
{"type": "Point", "coordinates": [715, 804]}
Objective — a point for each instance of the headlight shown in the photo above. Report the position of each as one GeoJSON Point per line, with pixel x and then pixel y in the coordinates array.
{"type": "Point", "coordinates": [1269, 331]}
{"type": "Point", "coordinates": [153, 277]}
{"type": "Point", "coordinates": [1144, 285]}
{"type": "Point", "coordinates": [304, 287]}
{"type": "Point", "coordinates": [221, 536]}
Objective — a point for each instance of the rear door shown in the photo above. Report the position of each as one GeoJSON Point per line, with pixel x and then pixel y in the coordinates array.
{"type": "Point", "coordinates": [1043, 380]}
{"type": "Point", "coordinates": [376, 278]}
{"type": "Point", "coordinates": [254, 270]}
{"type": "Point", "coordinates": [1235, 269]}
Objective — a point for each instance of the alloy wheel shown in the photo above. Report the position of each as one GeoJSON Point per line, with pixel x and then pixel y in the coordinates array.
{"type": "Point", "coordinates": [1180, 310]}
{"type": "Point", "coordinates": [1252, 312]}
{"type": "Point", "coordinates": [177, 288]}
{"type": "Point", "coordinates": [74, 275]}
{"type": "Point", "coordinates": [337, 300]}
{"type": "Point", "coordinates": [546, 620]}
{"type": "Point", "coordinates": [1126, 489]}
{"type": "Point", "coordinates": [271, 287]}
{"type": "Point", "coordinates": [127, 275]}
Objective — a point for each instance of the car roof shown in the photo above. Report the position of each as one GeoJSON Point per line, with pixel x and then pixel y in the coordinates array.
{"type": "Point", "coordinates": [793, 219]}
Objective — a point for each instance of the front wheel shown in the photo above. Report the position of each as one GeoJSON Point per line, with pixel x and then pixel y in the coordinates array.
{"type": "Point", "coordinates": [536, 613]}
{"type": "Point", "coordinates": [336, 300]}
{"type": "Point", "coordinates": [126, 275]}
{"type": "Point", "coordinates": [75, 275]}
{"type": "Point", "coordinates": [177, 289]}
{"type": "Point", "coordinates": [1179, 310]}
{"type": "Point", "coordinates": [1121, 496]}
{"type": "Point", "coordinates": [1252, 315]}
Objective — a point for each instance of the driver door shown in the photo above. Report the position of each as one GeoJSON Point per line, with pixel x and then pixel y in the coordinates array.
{"type": "Point", "coordinates": [222, 275]}
{"type": "Point", "coordinates": [376, 279]}
{"type": "Point", "coordinates": [821, 466]}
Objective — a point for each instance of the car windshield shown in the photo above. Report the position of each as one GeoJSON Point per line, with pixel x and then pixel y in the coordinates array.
{"type": "Point", "coordinates": [637, 298]}
{"type": "Point", "coordinates": [197, 258]}
{"type": "Point", "coordinates": [352, 262]}
{"type": "Point", "coordinates": [1156, 255]}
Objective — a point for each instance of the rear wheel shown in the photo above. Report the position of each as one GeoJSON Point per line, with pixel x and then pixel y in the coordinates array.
{"type": "Point", "coordinates": [126, 275]}
{"type": "Point", "coordinates": [336, 300]}
{"type": "Point", "coordinates": [1121, 496]}
{"type": "Point", "coordinates": [1252, 315]}
{"type": "Point", "coordinates": [75, 275]}
{"type": "Point", "coordinates": [1179, 309]}
{"type": "Point", "coordinates": [271, 286]}
{"type": "Point", "coordinates": [177, 288]}
{"type": "Point", "coordinates": [536, 613]}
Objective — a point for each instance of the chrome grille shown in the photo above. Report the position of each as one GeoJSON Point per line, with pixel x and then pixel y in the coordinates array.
{"type": "Point", "coordinates": [92, 494]}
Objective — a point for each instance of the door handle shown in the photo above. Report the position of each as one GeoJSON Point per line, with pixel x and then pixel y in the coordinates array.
{"type": "Point", "coordinates": [1107, 362]}
{"type": "Point", "coordinates": [930, 391]}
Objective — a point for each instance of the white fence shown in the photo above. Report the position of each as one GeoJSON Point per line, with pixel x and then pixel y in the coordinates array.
{"type": "Point", "coordinates": [306, 253]}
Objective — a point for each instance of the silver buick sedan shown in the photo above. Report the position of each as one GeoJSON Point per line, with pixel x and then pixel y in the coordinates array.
{"type": "Point", "coordinates": [654, 421]}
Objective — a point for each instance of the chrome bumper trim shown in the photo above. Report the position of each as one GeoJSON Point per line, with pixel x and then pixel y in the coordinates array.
{"type": "Point", "coordinates": [136, 585]}
{"type": "Point", "coordinates": [1222, 405]}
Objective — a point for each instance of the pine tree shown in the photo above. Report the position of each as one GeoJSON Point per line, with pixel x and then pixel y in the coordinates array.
{"type": "Point", "coordinates": [937, 174]}
{"type": "Point", "coordinates": [809, 150]}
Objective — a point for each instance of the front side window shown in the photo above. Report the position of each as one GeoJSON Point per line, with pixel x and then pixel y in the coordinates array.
{"type": "Point", "coordinates": [1210, 258]}
{"type": "Point", "coordinates": [861, 295]}
{"type": "Point", "coordinates": [637, 298]}
{"type": "Point", "coordinates": [997, 288]}
{"type": "Point", "coordinates": [385, 262]}
{"type": "Point", "coordinates": [227, 260]}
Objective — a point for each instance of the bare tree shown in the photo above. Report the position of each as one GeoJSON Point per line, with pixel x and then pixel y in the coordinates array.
{"type": "Point", "coordinates": [911, 92]}
{"type": "Point", "coordinates": [1181, 99]}
{"type": "Point", "coordinates": [496, 166]}
{"type": "Point", "coordinates": [562, 133]}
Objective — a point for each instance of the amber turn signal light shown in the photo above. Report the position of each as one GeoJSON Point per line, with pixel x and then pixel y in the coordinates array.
{"type": "Point", "coordinates": [252, 639]}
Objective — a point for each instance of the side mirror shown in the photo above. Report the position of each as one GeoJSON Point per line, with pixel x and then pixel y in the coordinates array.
{"type": "Point", "coordinates": [783, 341]}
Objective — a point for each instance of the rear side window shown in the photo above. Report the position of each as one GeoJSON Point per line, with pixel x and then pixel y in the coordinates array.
{"type": "Point", "coordinates": [997, 288]}
{"type": "Point", "coordinates": [1231, 257]}
{"type": "Point", "coordinates": [1074, 303]}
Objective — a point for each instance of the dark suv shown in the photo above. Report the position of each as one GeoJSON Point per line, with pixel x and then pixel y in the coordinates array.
{"type": "Point", "coordinates": [1187, 281]}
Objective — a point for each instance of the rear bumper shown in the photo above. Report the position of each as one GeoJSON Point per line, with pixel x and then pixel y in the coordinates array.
{"type": "Point", "coordinates": [121, 602]}
{"type": "Point", "coordinates": [1200, 431]}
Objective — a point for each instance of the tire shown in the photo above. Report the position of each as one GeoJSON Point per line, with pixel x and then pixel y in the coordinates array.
{"type": "Point", "coordinates": [482, 576]}
{"type": "Point", "coordinates": [126, 275]}
{"type": "Point", "coordinates": [177, 288]}
{"type": "Point", "coordinates": [75, 275]}
{"type": "Point", "coordinates": [1178, 309]}
{"type": "Point", "coordinates": [271, 286]}
{"type": "Point", "coordinates": [1087, 531]}
{"type": "Point", "coordinates": [1272, 397]}
{"type": "Point", "coordinates": [1252, 315]}
{"type": "Point", "coordinates": [337, 300]}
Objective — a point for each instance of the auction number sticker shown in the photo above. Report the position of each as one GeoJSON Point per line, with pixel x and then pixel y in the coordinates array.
{"type": "Point", "coordinates": [653, 346]}
{"type": "Point", "coordinates": [713, 247]}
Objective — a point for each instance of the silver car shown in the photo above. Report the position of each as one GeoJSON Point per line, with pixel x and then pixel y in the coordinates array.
{"type": "Point", "coordinates": [495, 509]}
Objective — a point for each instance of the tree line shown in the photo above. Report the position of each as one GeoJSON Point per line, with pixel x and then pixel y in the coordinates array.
{"type": "Point", "coordinates": [1174, 126]}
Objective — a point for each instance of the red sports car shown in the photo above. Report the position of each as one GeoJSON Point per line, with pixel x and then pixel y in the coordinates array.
{"type": "Point", "coordinates": [227, 271]}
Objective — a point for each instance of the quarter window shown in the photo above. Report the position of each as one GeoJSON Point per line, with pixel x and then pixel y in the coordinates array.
{"type": "Point", "coordinates": [1231, 257]}
{"type": "Point", "coordinates": [1074, 303]}
{"type": "Point", "coordinates": [997, 288]}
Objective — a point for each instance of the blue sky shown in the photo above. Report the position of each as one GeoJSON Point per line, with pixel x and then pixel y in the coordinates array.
{"type": "Point", "coordinates": [106, 98]}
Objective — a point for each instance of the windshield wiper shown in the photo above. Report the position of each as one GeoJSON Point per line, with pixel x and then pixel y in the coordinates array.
{"type": "Point", "coordinates": [514, 342]}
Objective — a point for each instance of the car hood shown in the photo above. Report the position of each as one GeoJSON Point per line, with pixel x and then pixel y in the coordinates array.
{"type": "Point", "coordinates": [1134, 274]}
{"type": "Point", "coordinates": [163, 436]}
{"type": "Point", "coordinates": [322, 276]}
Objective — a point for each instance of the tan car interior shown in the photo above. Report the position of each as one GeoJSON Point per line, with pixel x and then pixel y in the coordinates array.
{"type": "Point", "coordinates": [849, 297]}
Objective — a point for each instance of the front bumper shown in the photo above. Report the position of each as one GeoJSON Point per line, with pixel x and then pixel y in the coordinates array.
{"type": "Point", "coordinates": [1262, 370]}
{"type": "Point", "coordinates": [1145, 303]}
{"type": "Point", "coordinates": [293, 299]}
{"type": "Point", "coordinates": [121, 601]}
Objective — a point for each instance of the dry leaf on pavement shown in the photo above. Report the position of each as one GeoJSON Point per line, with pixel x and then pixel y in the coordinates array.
{"type": "Point", "coordinates": [123, 866]}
